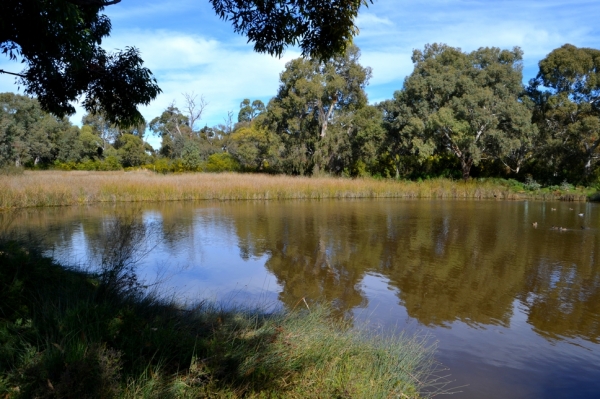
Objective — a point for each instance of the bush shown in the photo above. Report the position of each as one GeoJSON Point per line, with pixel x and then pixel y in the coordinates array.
{"type": "Point", "coordinates": [222, 162]}
{"type": "Point", "coordinates": [531, 184]}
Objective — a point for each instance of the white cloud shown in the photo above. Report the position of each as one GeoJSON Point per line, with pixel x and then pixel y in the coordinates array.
{"type": "Point", "coordinates": [224, 73]}
{"type": "Point", "coordinates": [387, 66]}
{"type": "Point", "coordinates": [367, 21]}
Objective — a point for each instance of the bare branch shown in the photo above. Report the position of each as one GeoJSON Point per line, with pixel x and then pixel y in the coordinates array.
{"type": "Point", "coordinates": [12, 73]}
{"type": "Point", "coordinates": [194, 107]}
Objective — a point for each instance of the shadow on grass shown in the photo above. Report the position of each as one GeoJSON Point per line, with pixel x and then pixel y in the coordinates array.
{"type": "Point", "coordinates": [65, 333]}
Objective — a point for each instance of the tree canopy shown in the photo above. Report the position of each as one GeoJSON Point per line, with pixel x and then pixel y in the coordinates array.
{"type": "Point", "coordinates": [314, 109]}
{"type": "Point", "coordinates": [457, 115]}
{"type": "Point", "coordinates": [466, 104]}
{"type": "Point", "coordinates": [59, 42]}
{"type": "Point", "coordinates": [567, 94]}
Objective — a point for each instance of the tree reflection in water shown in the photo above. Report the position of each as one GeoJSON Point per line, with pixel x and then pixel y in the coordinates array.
{"type": "Point", "coordinates": [446, 260]}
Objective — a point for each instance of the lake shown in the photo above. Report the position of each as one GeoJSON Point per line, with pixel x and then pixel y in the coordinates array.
{"type": "Point", "coordinates": [514, 308]}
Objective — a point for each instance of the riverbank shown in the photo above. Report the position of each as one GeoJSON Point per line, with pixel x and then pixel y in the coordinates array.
{"type": "Point", "coordinates": [66, 333]}
{"type": "Point", "coordinates": [59, 188]}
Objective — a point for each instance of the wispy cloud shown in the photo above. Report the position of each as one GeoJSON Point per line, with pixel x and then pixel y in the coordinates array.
{"type": "Point", "coordinates": [223, 72]}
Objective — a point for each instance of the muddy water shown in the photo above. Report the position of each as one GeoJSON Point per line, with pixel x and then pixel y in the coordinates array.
{"type": "Point", "coordinates": [515, 309]}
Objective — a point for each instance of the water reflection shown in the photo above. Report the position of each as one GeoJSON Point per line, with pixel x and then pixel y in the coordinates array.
{"type": "Point", "coordinates": [446, 261]}
{"type": "Point", "coordinates": [516, 309]}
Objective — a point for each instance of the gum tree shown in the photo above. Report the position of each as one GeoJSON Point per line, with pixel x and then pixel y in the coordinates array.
{"type": "Point", "coordinates": [467, 104]}
{"type": "Point", "coordinates": [566, 92]}
{"type": "Point", "coordinates": [314, 109]}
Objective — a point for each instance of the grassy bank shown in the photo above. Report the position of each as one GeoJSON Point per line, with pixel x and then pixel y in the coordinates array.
{"type": "Point", "coordinates": [69, 334]}
{"type": "Point", "coordinates": [56, 188]}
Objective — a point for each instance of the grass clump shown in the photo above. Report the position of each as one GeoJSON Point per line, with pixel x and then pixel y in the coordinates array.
{"type": "Point", "coordinates": [65, 333]}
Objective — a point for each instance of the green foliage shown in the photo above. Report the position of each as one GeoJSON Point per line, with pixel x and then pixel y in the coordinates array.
{"type": "Point", "coordinates": [59, 43]}
{"type": "Point", "coordinates": [130, 150]}
{"type": "Point", "coordinates": [255, 148]}
{"type": "Point", "coordinates": [111, 162]}
{"type": "Point", "coordinates": [248, 112]}
{"type": "Point", "coordinates": [28, 135]}
{"type": "Point", "coordinates": [466, 104]}
{"type": "Point", "coordinates": [531, 184]}
{"type": "Point", "coordinates": [321, 29]}
{"type": "Point", "coordinates": [190, 156]}
{"type": "Point", "coordinates": [222, 162]}
{"type": "Point", "coordinates": [171, 126]}
{"type": "Point", "coordinates": [314, 109]}
{"type": "Point", "coordinates": [566, 93]}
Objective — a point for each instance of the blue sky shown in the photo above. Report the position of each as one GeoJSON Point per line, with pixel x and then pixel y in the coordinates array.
{"type": "Point", "coordinates": [189, 49]}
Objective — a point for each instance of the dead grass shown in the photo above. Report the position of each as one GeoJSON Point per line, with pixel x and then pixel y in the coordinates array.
{"type": "Point", "coordinates": [60, 188]}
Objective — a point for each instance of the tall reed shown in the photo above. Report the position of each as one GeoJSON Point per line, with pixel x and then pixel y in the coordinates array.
{"type": "Point", "coordinates": [58, 188]}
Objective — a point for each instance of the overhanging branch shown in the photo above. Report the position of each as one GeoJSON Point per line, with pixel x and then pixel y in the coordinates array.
{"type": "Point", "coordinates": [12, 73]}
{"type": "Point", "coordinates": [98, 3]}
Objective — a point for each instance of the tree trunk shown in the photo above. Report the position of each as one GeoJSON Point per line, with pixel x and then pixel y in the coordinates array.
{"type": "Point", "coordinates": [587, 169]}
{"type": "Point", "coordinates": [466, 168]}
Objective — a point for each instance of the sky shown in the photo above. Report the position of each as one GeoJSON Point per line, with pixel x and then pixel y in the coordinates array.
{"type": "Point", "coordinates": [190, 50]}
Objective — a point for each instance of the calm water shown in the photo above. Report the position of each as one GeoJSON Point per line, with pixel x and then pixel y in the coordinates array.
{"type": "Point", "coordinates": [515, 309]}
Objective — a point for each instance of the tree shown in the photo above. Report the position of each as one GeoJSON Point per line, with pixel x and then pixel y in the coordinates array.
{"type": "Point", "coordinates": [405, 138]}
{"type": "Point", "coordinates": [250, 111]}
{"type": "Point", "coordinates": [172, 126]}
{"type": "Point", "coordinates": [313, 109]}
{"type": "Point", "coordinates": [467, 104]}
{"type": "Point", "coordinates": [131, 150]}
{"type": "Point", "coordinates": [101, 127]}
{"type": "Point", "coordinates": [566, 92]}
{"type": "Point", "coordinates": [255, 148]}
{"type": "Point", "coordinates": [321, 28]}
{"type": "Point", "coordinates": [367, 138]}
{"type": "Point", "coordinates": [194, 107]}
{"type": "Point", "coordinates": [59, 43]}
{"type": "Point", "coordinates": [28, 135]}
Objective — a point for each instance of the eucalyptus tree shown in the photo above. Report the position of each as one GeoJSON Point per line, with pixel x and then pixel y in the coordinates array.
{"type": "Point", "coordinates": [466, 104]}
{"type": "Point", "coordinates": [249, 111]}
{"type": "Point", "coordinates": [256, 148]}
{"type": "Point", "coordinates": [314, 107]}
{"type": "Point", "coordinates": [172, 127]}
{"type": "Point", "coordinates": [28, 135]}
{"type": "Point", "coordinates": [405, 138]}
{"type": "Point", "coordinates": [566, 92]}
{"type": "Point", "coordinates": [131, 150]}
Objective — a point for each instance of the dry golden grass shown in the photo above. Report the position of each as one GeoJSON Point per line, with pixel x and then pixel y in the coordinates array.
{"type": "Point", "coordinates": [59, 188]}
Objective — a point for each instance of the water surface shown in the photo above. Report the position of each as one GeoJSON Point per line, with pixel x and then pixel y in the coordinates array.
{"type": "Point", "coordinates": [515, 309]}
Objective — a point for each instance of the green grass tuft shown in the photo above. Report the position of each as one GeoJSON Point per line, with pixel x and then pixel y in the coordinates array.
{"type": "Point", "coordinates": [69, 334]}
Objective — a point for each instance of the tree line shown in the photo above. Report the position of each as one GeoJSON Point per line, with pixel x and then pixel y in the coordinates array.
{"type": "Point", "coordinates": [458, 114]}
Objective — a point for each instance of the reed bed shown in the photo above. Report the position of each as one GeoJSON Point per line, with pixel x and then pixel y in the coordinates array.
{"type": "Point", "coordinates": [60, 188]}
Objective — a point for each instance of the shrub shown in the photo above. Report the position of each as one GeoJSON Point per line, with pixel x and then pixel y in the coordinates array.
{"type": "Point", "coordinates": [222, 162]}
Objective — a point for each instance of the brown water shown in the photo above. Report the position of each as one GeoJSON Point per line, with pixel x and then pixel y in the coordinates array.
{"type": "Point", "coordinates": [515, 309]}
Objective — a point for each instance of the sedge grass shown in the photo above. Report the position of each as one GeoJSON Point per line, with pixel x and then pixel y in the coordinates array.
{"type": "Point", "coordinates": [64, 334]}
{"type": "Point", "coordinates": [60, 188]}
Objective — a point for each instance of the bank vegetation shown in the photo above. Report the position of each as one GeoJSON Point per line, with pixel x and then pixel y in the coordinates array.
{"type": "Point", "coordinates": [60, 188]}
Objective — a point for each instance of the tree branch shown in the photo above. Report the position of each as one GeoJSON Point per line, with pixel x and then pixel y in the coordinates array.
{"type": "Point", "coordinates": [87, 3]}
{"type": "Point", "coordinates": [12, 73]}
